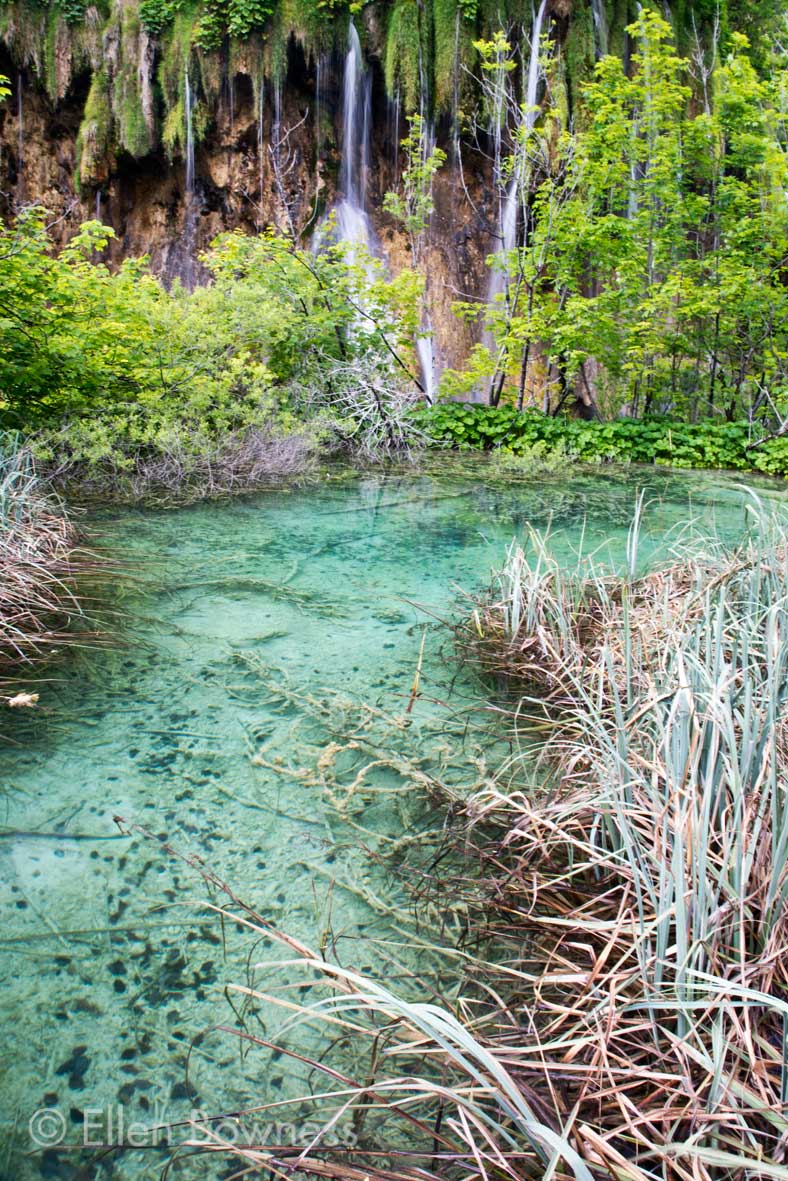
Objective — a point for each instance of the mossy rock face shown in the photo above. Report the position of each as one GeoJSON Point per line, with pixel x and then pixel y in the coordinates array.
{"type": "Point", "coordinates": [579, 54]}
{"type": "Point", "coordinates": [402, 53]}
{"type": "Point", "coordinates": [95, 143]}
{"type": "Point", "coordinates": [133, 102]}
{"type": "Point", "coordinates": [139, 53]}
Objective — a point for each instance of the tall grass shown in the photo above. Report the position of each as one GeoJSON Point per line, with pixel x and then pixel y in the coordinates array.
{"type": "Point", "coordinates": [634, 1021]}
{"type": "Point", "coordinates": [652, 879]}
{"type": "Point", "coordinates": [43, 569]}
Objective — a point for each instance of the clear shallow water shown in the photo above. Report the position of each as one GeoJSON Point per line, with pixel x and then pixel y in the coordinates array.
{"type": "Point", "coordinates": [254, 716]}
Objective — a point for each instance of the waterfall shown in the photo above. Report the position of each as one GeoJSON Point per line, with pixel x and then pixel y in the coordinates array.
{"type": "Point", "coordinates": [425, 345]}
{"type": "Point", "coordinates": [534, 71]}
{"type": "Point", "coordinates": [98, 204]}
{"type": "Point", "coordinates": [260, 145]}
{"type": "Point", "coordinates": [455, 130]}
{"type": "Point", "coordinates": [323, 110]}
{"type": "Point", "coordinates": [319, 71]}
{"type": "Point", "coordinates": [426, 356]}
{"type": "Point", "coordinates": [393, 133]}
{"type": "Point", "coordinates": [351, 216]}
{"type": "Point", "coordinates": [187, 98]}
{"type": "Point", "coordinates": [600, 27]}
{"type": "Point", "coordinates": [190, 225]}
{"type": "Point", "coordinates": [276, 126]}
{"type": "Point", "coordinates": [510, 206]}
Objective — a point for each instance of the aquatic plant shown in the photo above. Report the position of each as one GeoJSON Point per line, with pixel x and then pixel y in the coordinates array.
{"type": "Point", "coordinates": [740, 445]}
{"type": "Point", "coordinates": [648, 882]}
{"type": "Point", "coordinates": [459, 1107]}
{"type": "Point", "coordinates": [629, 1018]}
{"type": "Point", "coordinates": [45, 572]}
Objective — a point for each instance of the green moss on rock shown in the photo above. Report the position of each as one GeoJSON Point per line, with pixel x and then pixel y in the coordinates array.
{"type": "Point", "coordinates": [95, 141]}
{"type": "Point", "coordinates": [402, 53]}
{"type": "Point", "coordinates": [578, 53]}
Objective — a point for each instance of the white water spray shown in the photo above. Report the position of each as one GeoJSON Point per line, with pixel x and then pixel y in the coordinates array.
{"type": "Point", "coordinates": [352, 221]}
{"type": "Point", "coordinates": [510, 208]}
{"type": "Point", "coordinates": [426, 354]}
{"type": "Point", "coordinates": [600, 27]}
{"type": "Point", "coordinates": [190, 226]}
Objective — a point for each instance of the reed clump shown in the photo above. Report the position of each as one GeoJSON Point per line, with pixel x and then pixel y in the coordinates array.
{"type": "Point", "coordinates": [629, 1020]}
{"type": "Point", "coordinates": [643, 892]}
{"type": "Point", "coordinates": [545, 629]}
{"type": "Point", "coordinates": [44, 573]}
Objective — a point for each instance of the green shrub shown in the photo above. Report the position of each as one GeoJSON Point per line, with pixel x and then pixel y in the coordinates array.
{"type": "Point", "coordinates": [102, 367]}
{"type": "Point", "coordinates": [710, 443]}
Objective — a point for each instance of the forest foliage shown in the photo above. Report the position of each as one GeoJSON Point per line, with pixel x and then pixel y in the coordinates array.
{"type": "Point", "coordinates": [650, 281]}
{"type": "Point", "coordinates": [655, 238]}
{"type": "Point", "coordinates": [541, 439]}
{"type": "Point", "coordinates": [105, 365]}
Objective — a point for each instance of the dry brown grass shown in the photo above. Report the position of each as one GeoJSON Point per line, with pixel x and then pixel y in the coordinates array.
{"type": "Point", "coordinates": [629, 1019]}
{"type": "Point", "coordinates": [47, 576]}
{"type": "Point", "coordinates": [191, 468]}
{"type": "Point", "coordinates": [641, 895]}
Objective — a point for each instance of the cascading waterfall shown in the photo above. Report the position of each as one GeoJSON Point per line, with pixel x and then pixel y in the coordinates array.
{"type": "Point", "coordinates": [393, 134]}
{"type": "Point", "coordinates": [322, 104]}
{"type": "Point", "coordinates": [600, 27]}
{"type": "Point", "coordinates": [190, 228]}
{"type": "Point", "coordinates": [187, 98]}
{"type": "Point", "coordinates": [353, 225]}
{"type": "Point", "coordinates": [426, 355]}
{"type": "Point", "coordinates": [510, 207]}
{"type": "Point", "coordinates": [425, 345]}
{"type": "Point", "coordinates": [276, 129]}
{"type": "Point", "coordinates": [260, 146]}
{"type": "Point", "coordinates": [455, 131]}
{"type": "Point", "coordinates": [320, 71]}
{"type": "Point", "coordinates": [632, 196]}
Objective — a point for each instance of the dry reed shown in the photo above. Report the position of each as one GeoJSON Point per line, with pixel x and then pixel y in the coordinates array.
{"type": "Point", "coordinates": [631, 1020]}
{"type": "Point", "coordinates": [46, 574]}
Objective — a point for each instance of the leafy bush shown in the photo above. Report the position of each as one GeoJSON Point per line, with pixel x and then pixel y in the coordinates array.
{"type": "Point", "coordinates": [105, 369]}
{"type": "Point", "coordinates": [707, 444]}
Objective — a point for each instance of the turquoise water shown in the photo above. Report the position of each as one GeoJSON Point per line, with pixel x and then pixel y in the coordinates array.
{"type": "Point", "coordinates": [255, 715]}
